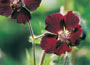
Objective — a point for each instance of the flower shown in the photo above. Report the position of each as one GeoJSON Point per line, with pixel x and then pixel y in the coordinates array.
{"type": "Point", "coordinates": [16, 9]}
{"type": "Point", "coordinates": [65, 32]}
{"type": "Point", "coordinates": [5, 8]}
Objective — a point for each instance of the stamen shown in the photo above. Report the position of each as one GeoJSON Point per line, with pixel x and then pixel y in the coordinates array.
{"type": "Point", "coordinates": [63, 35]}
{"type": "Point", "coordinates": [64, 28]}
{"type": "Point", "coordinates": [15, 1]}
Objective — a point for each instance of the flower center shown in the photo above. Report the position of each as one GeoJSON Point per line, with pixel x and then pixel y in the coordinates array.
{"type": "Point", "coordinates": [16, 3]}
{"type": "Point", "coordinates": [63, 35]}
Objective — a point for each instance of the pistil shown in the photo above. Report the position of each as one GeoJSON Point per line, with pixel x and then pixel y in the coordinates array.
{"type": "Point", "coordinates": [63, 35]}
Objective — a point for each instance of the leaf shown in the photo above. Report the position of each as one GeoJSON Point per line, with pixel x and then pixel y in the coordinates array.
{"type": "Point", "coordinates": [29, 58]}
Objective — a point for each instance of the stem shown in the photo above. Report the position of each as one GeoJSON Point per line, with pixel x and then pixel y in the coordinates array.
{"type": "Point", "coordinates": [33, 44]}
{"type": "Point", "coordinates": [66, 58]}
{"type": "Point", "coordinates": [74, 56]}
{"type": "Point", "coordinates": [42, 57]}
{"type": "Point", "coordinates": [40, 36]}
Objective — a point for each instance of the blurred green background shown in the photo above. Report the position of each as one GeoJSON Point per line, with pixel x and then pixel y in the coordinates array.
{"type": "Point", "coordinates": [15, 47]}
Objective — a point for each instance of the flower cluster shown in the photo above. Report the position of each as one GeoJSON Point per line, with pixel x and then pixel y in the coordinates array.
{"type": "Point", "coordinates": [65, 32]}
{"type": "Point", "coordinates": [16, 9]}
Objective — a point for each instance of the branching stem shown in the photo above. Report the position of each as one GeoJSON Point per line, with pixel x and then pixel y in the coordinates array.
{"type": "Point", "coordinates": [33, 44]}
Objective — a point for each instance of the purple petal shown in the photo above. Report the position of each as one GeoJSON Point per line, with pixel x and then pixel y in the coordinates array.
{"type": "Point", "coordinates": [62, 48]}
{"type": "Point", "coordinates": [75, 37]}
{"type": "Point", "coordinates": [53, 23]}
{"type": "Point", "coordinates": [71, 20]}
{"type": "Point", "coordinates": [5, 9]}
{"type": "Point", "coordinates": [4, 1]}
{"type": "Point", "coordinates": [22, 15]}
{"type": "Point", "coordinates": [48, 43]}
{"type": "Point", "coordinates": [32, 4]}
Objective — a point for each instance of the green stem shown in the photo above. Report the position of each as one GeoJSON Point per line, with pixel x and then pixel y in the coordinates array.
{"type": "Point", "coordinates": [42, 58]}
{"type": "Point", "coordinates": [66, 58]}
{"type": "Point", "coordinates": [33, 44]}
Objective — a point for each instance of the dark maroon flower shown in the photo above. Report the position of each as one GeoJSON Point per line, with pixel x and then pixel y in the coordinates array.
{"type": "Point", "coordinates": [16, 9]}
{"type": "Point", "coordinates": [64, 33]}
{"type": "Point", "coordinates": [22, 16]}
{"type": "Point", "coordinates": [5, 8]}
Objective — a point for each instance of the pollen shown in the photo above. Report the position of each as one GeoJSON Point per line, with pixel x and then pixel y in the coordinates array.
{"type": "Point", "coordinates": [63, 35]}
{"type": "Point", "coordinates": [15, 1]}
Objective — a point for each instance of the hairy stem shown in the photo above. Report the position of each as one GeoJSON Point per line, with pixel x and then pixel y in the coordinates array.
{"type": "Point", "coordinates": [33, 44]}
{"type": "Point", "coordinates": [66, 58]}
{"type": "Point", "coordinates": [42, 58]}
{"type": "Point", "coordinates": [40, 36]}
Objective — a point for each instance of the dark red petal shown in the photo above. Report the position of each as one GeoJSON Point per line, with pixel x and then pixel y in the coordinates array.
{"type": "Point", "coordinates": [75, 36]}
{"type": "Point", "coordinates": [5, 9]}
{"type": "Point", "coordinates": [14, 14]}
{"type": "Point", "coordinates": [4, 1]}
{"type": "Point", "coordinates": [76, 28]}
{"type": "Point", "coordinates": [53, 23]}
{"type": "Point", "coordinates": [62, 48]}
{"type": "Point", "coordinates": [12, 1]}
{"type": "Point", "coordinates": [22, 16]}
{"type": "Point", "coordinates": [71, 20]}
{"type": "Point", "coordinates": [48, 43]}
{"type": "Point", "coordinates": [77, 42]}
{"type": "Point", "coordinates": [32, 4]}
